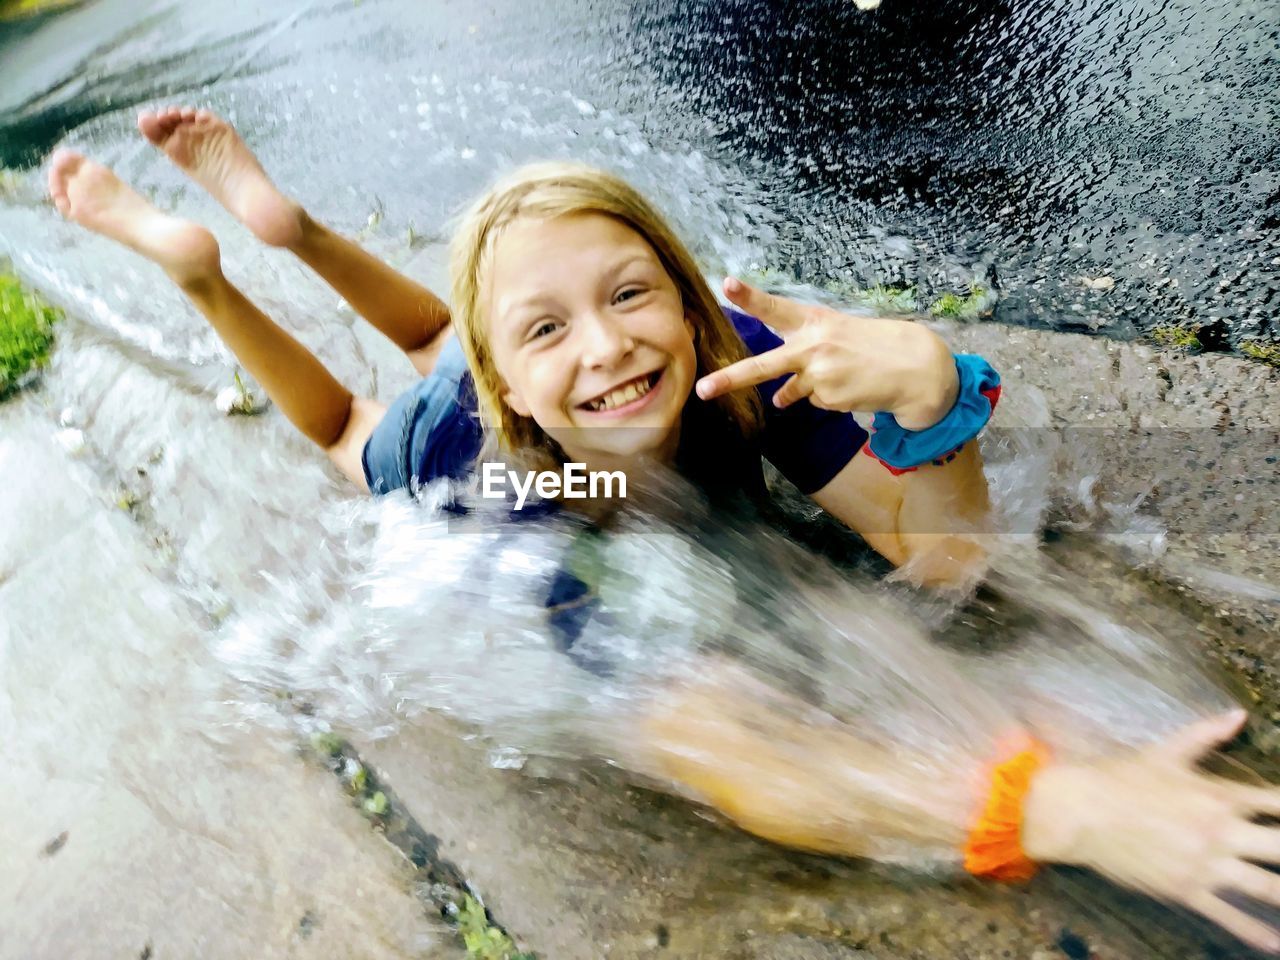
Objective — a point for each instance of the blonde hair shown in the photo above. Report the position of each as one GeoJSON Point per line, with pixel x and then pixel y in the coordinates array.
{"type": "Point", "coordinates": [546, 191]}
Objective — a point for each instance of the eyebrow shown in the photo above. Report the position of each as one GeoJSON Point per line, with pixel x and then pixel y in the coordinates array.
{"type": "Point", "coordinates": [630, 261]}
{"type": "Point", "coordinates": [542, 299]}
{"type": "Point", "coordinates": [533, 300]}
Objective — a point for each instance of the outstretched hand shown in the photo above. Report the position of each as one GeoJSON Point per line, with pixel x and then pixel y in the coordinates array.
{"type": "Point", "coordinates": [842, 362]}
{"type": "Point", "coordinates": [1153, 821]}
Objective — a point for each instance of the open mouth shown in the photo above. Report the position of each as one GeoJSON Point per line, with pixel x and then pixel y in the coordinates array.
{"type": "Point", "coordinates": [624, 395]}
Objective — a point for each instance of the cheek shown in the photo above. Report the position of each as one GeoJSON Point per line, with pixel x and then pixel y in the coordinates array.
{"type": "Point", "coordinates": [673, 332]}
{"type": "Point", "coordinates": [548, 383]}
{"type": "Point", "coordinates": [516, 385]}
{"type": "Point", "coordinates": [688, 351]}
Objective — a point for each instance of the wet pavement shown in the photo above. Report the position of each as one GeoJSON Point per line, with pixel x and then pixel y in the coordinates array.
{"type": "Point", "coordinates": [1036, 148]}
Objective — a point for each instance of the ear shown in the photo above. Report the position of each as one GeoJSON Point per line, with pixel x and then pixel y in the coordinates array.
{"type": "Point", "coordinates": [516, 402]}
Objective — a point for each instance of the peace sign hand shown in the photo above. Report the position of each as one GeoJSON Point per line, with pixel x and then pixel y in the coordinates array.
{"type": "Point", "coordinates": [842, 362]}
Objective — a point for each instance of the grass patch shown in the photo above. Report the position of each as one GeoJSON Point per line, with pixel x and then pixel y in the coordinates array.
{"type": "Point", "coordinates": [1268, 353]}
{"type": "Point", "coordinates": [482, 940]}
{"type": "Point", "coordinates": [890, 299]}
{"type": "Point", "coordinates": [439, 881]}
{"type": "Point", "coordinates": [894, 299]}
{"type": "Point", "coordinates": [370, 800]}
{"type": "Point", "coordinates": [26, 333]}
{"type": "Point", "coordinates": [1177, 335]}
{"type": "Point", "coordinates": [976, 303]}
{"type": "Point", "coordinates": [14, 9]}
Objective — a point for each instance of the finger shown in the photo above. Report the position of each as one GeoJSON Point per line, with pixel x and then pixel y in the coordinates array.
{"type": "Point", "coordinates": [1195, 740]}
{"type": "Point", "coordinates": [1255, 842]}
{"type": "Point", "coordinates": [749, 372]}
{"type": "Point", "coordinates": [1260, 800]}
{"type": "Point", "coordinates": [797, 388]}
{"type": "Point", "coordinates": [778, 312]}
{"type": "Point", "coordinates": [1256, 933]}
{"type": "Point", "coordinates": [1254, 881]}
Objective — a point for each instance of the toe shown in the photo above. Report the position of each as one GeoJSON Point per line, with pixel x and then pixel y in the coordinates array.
{"type": "Point", "coordinates": [205, 116]}
{"type": "Point", "coordinates": [62, 167]}
{"type": "Point", "coordinates": [152, 125]}
{"type": "Point", "coordinates": [188, 114]}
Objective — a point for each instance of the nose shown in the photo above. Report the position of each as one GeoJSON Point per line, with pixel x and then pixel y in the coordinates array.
{"type": "Point", "coordinates": [605, 342]}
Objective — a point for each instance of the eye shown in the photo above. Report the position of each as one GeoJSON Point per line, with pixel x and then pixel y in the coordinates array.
{"type": "Point", "coordinates": [544, 329]}
{"type": "Point", "coordinates": [627, 293]}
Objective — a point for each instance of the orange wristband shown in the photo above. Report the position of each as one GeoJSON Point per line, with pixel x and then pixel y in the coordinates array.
{"type": "Point", "coordinates": [994, 846]}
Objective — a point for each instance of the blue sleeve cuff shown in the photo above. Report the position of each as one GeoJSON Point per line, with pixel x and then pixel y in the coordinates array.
{"type": "Point", "coordinates": [979, 391]}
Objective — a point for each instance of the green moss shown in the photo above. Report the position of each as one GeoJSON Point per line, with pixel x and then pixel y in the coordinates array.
{"type": "Point", "coordinates": [1176, 335]}
{"type": "Point", "coordinates": [881, 298]}
{"type": "Point", "coordinates": [893, 299]}
{"type": "Point", "coordinates": [888, 298]}
{"type": "Point", "coordinates": [326, 744]}
{"type": "Point", "coordinates": [976, 303]}
{"type": "Point", "coordinates": [1268, 353]}
{"type": "Point", "coordinates": [483, 941]}
{"type": "Point", "coordinates": [359, 781]}
{"type": "Point", "coordinates": [948, 305]}
{"type": "Point", "coordinates": [26, 333]}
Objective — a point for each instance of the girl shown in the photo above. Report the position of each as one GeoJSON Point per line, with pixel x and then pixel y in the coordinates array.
{"type": "Point", "coordinates": [583, 332]}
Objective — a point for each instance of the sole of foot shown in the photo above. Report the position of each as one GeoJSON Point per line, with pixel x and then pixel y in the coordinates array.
{"type": "Point", "coordinates": [91, 195]}
{"type": "Point", "coordinates": [209, 150]}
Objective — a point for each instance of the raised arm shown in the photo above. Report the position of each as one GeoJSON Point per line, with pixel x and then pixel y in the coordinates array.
{"type": "Point", "coordinates": [927, 402]}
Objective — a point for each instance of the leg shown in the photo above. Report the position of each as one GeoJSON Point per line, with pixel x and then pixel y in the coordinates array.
{"type": "Point", "coordinates": [210, 151]}
{"type": "Point", "coordinates": [316, 403]}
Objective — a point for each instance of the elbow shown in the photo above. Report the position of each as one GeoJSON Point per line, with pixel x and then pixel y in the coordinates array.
{"type": "Point", "coordinates": [943, 561]}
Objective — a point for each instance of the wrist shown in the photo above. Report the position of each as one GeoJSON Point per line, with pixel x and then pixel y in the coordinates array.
{"type": "Point", "coordinates": [932, 392]}
{"type": "Point", "coordinates": [1052, 814]}
{"type": "Point", "coordinates": [964, 405]}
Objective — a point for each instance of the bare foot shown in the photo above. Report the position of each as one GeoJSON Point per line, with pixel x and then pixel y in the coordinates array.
{"type": "Point", "coordinates": [213, 155]}
{"type": "Point", "coordinates": [94, 197]}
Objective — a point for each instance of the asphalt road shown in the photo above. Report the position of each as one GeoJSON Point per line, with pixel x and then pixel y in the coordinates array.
{"type": "Point", "coordinates": [1108, 165]}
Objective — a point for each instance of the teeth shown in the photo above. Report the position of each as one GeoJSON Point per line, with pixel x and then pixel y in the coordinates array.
{"type": "Point", "coordinates": [624, 394]}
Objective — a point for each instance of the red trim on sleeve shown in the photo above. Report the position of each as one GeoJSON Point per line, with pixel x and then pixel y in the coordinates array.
{"type": "Point", "coordinates": [896, 471]}
{"type": "Point", "coordinates": [993, 395]}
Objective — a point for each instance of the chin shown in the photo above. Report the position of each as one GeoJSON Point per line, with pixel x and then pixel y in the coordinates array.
{"type": "Point", "coordinates": [637, 441]}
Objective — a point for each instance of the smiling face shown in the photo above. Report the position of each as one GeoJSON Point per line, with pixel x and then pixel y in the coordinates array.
{"type": "Point", "coordinates": [590, 338]}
